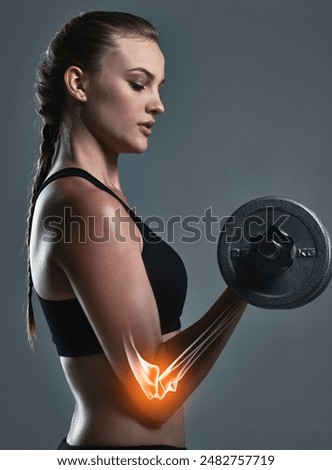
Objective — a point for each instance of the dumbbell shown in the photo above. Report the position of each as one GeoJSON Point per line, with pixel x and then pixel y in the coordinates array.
{"type": "Point", "coordinates": [275, 253]}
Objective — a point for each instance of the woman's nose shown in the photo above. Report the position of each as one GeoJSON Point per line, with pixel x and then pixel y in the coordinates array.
{"type": "Point", "coordinates": [155, 105]}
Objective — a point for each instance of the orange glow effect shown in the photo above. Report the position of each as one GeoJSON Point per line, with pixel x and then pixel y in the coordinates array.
{"type": "Point", "coordinates": [156, 384]}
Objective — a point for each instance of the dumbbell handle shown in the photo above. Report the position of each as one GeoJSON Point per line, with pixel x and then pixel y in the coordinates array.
{"type": "Point", "coordinates": [270, 250]}
{"type": "Point", "coordinates": [269, 256]}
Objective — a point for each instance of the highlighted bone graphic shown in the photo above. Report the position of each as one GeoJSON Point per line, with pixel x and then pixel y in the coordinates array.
{"type": "Point", "coordinates": [156, 384]}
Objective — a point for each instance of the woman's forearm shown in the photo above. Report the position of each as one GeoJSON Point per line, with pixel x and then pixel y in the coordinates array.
{"type": "Point", "coordinates": [183, 361]}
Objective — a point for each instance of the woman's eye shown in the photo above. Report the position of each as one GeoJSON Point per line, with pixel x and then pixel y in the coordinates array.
{"type": "Point", "coordinates": [137, 86]}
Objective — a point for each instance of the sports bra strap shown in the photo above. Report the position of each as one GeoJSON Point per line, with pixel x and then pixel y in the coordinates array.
{"type": "Point", "coordinates": [74, 171]}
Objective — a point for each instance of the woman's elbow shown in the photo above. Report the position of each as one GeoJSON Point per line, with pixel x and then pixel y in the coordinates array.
{"type": "Point", "coordinates": [154, 411]}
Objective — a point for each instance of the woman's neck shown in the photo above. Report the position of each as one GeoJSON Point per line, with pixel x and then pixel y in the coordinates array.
{"type": "Point", "coordinates": [84, 152]}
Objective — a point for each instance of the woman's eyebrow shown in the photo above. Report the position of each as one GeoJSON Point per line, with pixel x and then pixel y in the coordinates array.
{"type": "Point", "coordinates": [146, 72]}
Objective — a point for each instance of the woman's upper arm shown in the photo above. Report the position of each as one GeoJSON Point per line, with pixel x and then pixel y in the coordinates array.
{"type": "Point", "coordinates": [103, 263]}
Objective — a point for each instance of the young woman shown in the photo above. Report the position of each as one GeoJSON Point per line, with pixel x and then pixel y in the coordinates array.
{"type": "Point", "coordinates": [112, 291]}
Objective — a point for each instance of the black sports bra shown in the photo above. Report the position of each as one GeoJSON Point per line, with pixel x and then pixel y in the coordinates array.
{"type": "Point", "coordinates": [70, 328]}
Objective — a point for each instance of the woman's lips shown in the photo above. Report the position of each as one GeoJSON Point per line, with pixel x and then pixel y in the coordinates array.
{"type": "Point", "coordinates": [146, 127]}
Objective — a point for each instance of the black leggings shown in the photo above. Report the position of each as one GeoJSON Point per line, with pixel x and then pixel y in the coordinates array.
{"type": "Point", "coordinates": [65, 446]}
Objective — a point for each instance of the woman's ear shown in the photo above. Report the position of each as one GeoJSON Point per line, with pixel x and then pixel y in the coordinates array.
{"type": "Point", "coordinates": [76, 81]}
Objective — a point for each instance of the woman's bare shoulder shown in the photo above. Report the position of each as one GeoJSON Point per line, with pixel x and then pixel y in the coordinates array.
{"type": "Point", "coordinates": [73, 191]}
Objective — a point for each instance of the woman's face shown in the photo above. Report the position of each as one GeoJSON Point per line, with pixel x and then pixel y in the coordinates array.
{"type": "Point", "coordinates": [123, 99]}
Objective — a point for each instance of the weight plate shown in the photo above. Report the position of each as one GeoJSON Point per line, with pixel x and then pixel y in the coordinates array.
{"type": "Point", "coordinates": [287, 272]}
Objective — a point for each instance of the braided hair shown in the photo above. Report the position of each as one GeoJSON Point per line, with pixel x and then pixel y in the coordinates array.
{"type": "Point", "coordinates": [82, 42]}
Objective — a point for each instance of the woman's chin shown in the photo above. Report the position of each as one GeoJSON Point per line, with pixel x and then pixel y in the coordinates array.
{"type": "Point", "coordinates": [140, 148]}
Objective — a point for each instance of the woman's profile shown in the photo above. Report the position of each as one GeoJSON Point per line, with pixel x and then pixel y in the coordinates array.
{"type": "Point", "coordinates": [112, 291]}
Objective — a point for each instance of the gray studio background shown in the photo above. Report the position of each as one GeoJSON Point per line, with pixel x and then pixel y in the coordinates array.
{"type": "Point", "coordinates": [248, 113]}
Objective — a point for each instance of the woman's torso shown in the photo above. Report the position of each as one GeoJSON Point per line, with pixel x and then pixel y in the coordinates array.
{"type": "Point", "coordinates": [104, 413]}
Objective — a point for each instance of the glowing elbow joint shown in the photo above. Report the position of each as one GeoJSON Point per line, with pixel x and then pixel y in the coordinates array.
{"type": "Point", "coordinates": [155, 384]}
{"type": "Point", "coordinates": [152, 382]}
